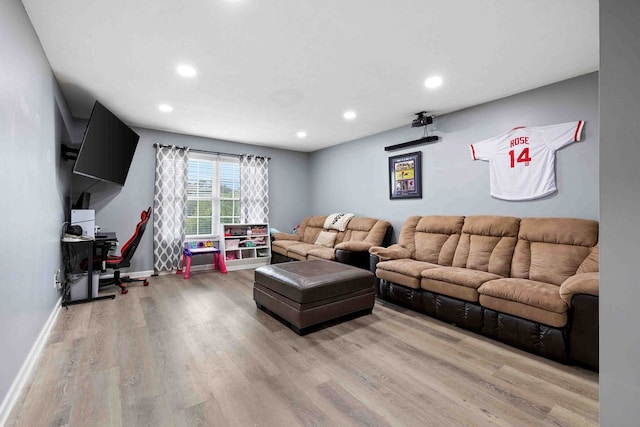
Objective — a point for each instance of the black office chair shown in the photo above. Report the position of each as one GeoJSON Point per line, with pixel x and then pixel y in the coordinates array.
{"type": "Point", "coordinates": [126, 253]}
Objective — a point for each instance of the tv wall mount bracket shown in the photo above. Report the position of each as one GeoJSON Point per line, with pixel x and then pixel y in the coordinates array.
{"type": "Point", "coordinates": [69, 153]}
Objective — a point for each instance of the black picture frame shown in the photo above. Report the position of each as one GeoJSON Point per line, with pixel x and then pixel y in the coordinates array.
{"type": "Point", "coordinates": [405, 176]}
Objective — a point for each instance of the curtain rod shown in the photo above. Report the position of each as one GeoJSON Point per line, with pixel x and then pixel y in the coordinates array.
{"type": "Point", "coordinates": [195, 150]}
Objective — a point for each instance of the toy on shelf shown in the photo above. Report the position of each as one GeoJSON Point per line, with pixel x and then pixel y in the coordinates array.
{"type": "Point", "coordinates": [258, 230]}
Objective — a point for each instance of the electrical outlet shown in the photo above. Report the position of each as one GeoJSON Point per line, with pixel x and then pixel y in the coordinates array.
{"type": "Point", "coordinates": [56, 279]}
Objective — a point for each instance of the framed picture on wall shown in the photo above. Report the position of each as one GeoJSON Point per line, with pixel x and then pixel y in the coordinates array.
{"type": "Point", "coordinates": [405, 176]}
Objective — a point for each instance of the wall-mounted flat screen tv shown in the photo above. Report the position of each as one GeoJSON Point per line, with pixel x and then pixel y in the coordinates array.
{"type": "Point", "coordinates": [107, 147]}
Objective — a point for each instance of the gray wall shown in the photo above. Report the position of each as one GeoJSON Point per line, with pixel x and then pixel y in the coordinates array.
{"type": "Point", "coordinates": [619, 211]}
{"type": "Point", "coordinates": [118, 208]}
{"type": "Point", "coordinates": [354, 176]}
{"type": "Point", "coordinates": [34, 120]}
{"type": "Point", "coordinates": [32, 126]}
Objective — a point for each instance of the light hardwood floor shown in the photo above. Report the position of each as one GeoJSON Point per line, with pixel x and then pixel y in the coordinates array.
{"type": "Point", "coordinates": [198, 352]}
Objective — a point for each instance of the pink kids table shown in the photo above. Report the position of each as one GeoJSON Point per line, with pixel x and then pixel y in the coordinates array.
{"type": "Point", "coordinates": [187, 253]}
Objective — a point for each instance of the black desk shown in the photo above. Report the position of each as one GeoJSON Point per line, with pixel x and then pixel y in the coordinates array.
{"type": "Point", "coordinates": [78, 257]}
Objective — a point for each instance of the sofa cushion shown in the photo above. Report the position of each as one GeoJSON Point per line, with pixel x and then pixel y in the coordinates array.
{"type": "Point", "coordinates": [562, 231]}
{"type": "Point", "coordinates": [398, 278]}
{"type": "Point", "coordinates": [281, 246]}
{"type": "Point", "coordinates": [410, 267]}
{"type": "Point", "coordinates": [552, 249]}
{"type": "Point", "coordinates": [326, 239]}
{"type": "Point", "coordinates": [310, 228]}
{"type": "Point", "coordinates": [487, 243]}
{"type": "Point", "coordinates": [407, 237]}
{"type": "Point", "coordinates": [321, 253]}
{"type": "Point", "coordinates": [436, 238]}
{"type": "Point", "coordinates": [403, 271]}
{"type": "Point", "coordinates": [525, 298]}
{"type": "Point", "coordinates": [530, 292]}
{"type": "Point", "coordinates": [456, 282]}
{"type": "Point", "coordinates": [368, 230]}
{"type": "Point", "coordinates": [300, 251]}
{"type": "Point", "coordinates": [547, 262]}
{"type": "Point", "coordinates": [592, 262]}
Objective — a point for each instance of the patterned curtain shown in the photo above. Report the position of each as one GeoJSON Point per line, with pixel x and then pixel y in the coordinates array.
{"type": "Point", "coordinates": [254, 189]}
{"type": "Point", "coordinates": [170, 207]}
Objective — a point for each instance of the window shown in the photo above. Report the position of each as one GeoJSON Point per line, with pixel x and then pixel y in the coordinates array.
{"type": "Point", "coordinates": [213, 194]}
{"type": "Point", "coordinates": [229, 192]}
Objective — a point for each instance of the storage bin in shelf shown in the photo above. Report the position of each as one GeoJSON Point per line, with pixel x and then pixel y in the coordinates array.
{"type": "Point", "coordinates": [245, 245]}
{"type": "Point", "coordinates": [232, 255]}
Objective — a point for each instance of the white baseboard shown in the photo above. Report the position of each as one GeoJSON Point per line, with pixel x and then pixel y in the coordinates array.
{"type": "Point", "coordinates": [27, 367]}
{"type": "Point", "coordinates": [164, 273]}
{"type": "Point", "coordinates": [139, 274]}
{"type": "Point", "coordinates": [132, 274]}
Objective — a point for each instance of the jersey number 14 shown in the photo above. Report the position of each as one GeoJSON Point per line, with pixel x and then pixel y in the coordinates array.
{"type": "Point", "coordinates": [523, 157]}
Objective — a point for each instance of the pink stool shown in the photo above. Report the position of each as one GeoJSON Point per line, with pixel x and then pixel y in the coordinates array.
{"type": "Point", "coordinates": [218, 262]}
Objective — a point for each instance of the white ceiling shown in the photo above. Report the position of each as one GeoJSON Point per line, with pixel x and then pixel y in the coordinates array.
{"type": "Point", "coordinates": [270, 68]}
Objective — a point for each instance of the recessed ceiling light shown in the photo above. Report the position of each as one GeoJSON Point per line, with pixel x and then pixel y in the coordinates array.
{"type": "Point", "coordinates": [301, 134]}
{"type": "Point", "coordinates": [165, 108]}
{"type": "Point", "coordinates": [433, 82]}
{"type": "Point", "coordinates": [349, 115]}
{"type": "Point", "coordinates": [186, 70]}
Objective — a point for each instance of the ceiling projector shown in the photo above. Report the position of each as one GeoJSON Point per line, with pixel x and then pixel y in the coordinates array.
{"type": "Point", "coordinates": [421, 120]}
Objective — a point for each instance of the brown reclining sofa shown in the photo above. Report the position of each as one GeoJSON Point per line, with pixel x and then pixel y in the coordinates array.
{"type": "Point", "coordinates": [531, 282]}
{"type": "Point", "coordinates": [350, 246]}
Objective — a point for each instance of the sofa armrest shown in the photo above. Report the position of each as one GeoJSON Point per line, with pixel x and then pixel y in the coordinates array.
{"type": "Point", "coordinates": [373, 263]}
{"type": "Point", "coordinates": [358, 259]}
{"type": "Point", "coordinates": [584, 283]}
{"type": "Point", "coordinates": [285, 236]}
{"type": "Point", "coordinates": [354, 246]}
{"type": "Point", "coordinates": [392, 252]}
{"type": "Point", "coordinates": [583, 335]}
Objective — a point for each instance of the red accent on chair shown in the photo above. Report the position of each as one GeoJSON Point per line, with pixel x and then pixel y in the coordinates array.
{"type": "Point", "coordinates": [126, 253]}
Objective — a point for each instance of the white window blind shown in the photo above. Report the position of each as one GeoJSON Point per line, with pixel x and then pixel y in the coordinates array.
{"type": "Point", "coordinates": [213, 194]}
{"type": "Point", "coordinates": [229, 192]}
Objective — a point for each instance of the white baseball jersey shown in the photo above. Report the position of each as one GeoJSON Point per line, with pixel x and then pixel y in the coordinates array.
{"type": "Point", "coordinates": [522, 160]}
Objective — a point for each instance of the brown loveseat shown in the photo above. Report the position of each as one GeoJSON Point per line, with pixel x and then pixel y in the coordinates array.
{"type": "Point", "coordinates": [530, 282]}
{"type": "Point", "coordinates": [350, 246]}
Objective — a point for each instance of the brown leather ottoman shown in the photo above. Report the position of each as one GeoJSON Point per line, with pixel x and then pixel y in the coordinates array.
{"type": "Point", "coordinates": [307, 293]}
